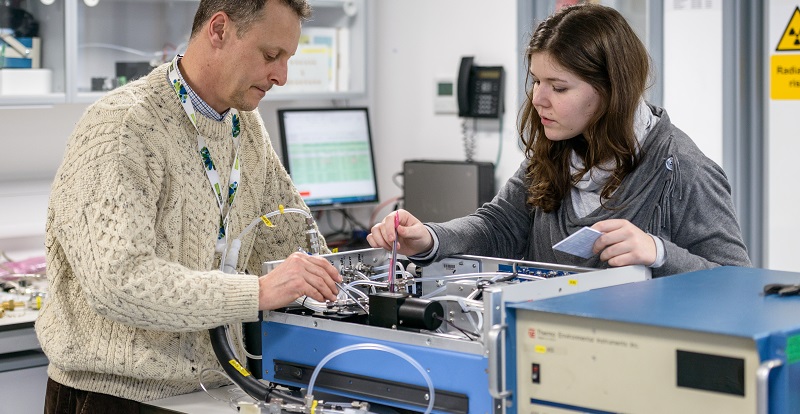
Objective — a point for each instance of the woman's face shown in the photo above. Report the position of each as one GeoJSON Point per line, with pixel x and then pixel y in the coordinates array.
{"type": "Point", "coordinates": [564, 102]}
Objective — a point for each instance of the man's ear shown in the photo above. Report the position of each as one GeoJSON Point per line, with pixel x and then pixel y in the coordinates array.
{"type": "Point", "coordinates": [219, 28]}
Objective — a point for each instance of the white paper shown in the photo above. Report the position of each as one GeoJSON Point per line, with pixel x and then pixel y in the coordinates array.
{"type": "Point", "coordinates": [579, 243]}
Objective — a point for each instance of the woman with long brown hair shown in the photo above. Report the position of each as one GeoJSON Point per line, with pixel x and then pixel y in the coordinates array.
{"type": "Point", "coordinates": [596, 155]}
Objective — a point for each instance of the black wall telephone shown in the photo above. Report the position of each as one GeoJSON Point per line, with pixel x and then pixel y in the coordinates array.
{"type": "Point", "coordinates": [480, 90]}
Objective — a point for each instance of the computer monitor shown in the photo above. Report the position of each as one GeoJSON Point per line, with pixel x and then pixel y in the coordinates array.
{"type": "Point", "coordinates": [328, 153]}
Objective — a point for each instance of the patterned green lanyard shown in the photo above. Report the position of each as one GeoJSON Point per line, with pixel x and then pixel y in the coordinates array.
{"type": "Point", "coordinates": [211, 170]}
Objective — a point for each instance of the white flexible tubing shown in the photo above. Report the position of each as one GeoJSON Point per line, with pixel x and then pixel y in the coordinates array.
{"type": "Point", "coordinates": [406, 275]}
{"type": "Point", "coordinates": [467, 305]}
{"type": "Point", "coordinates": [434, 293]}
{"type": "Point", "coordinates": [374, 347]}
{"type": "Point", "coordinates": [356, 291]}
{"type": "Point", "coordinates": [231, 255]}
{"type": "Point", "coordinates": [402, 268]}
{"type": "Point", "coordinates": [272, 214]}
{"type": "Point", "coordinates": [495, 276]}
{"type": "Point", "coordinates": [231, 259]}
{"type": "Point", "coordinates": [379, 276]}
{"type": "Point", "coordinates": [367, 283]}
{"type": "Point", "coordinates": [361, 274]}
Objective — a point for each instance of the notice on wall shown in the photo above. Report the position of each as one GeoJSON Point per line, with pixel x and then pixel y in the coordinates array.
{"type": "Point", "coordinates": [785, 63]}
{"type": "Point", "coordinates": [782, 104]}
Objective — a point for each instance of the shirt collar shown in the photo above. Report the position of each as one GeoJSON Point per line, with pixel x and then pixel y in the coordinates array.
{"type": "Point", "coordinates": [199, 104]}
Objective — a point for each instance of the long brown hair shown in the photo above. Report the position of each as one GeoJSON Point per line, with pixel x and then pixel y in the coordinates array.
{"type": "Point", "coordinates": [595, 43]}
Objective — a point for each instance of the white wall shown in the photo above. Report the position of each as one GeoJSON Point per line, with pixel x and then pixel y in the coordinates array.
{"type": "Point", "coordinates": [32, 141]}
{"type": "Point", "coordinates": [415, 42]}
{"type": "Point", "coordinates": [693, 72]}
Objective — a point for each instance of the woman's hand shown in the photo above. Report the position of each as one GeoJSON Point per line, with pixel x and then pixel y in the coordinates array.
{"type": "Point", "coordinates": [412, 236]}
{"type": "Point", "coordinates": [623, 244]}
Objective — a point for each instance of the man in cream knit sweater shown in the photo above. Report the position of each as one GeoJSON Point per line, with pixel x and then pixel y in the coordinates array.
{"type": "Point", "coordinates": [136, 216]}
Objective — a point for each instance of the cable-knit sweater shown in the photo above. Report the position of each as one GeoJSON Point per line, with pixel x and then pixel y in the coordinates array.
{"type": "Point", "coordinates": [130, 239]}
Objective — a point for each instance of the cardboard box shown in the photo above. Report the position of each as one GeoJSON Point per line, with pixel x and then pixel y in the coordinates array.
{"type": "Point", "coordinates": [26, 81]}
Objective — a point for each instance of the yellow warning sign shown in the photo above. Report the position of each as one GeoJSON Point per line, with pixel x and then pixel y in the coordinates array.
{"type": "Point", "coordinates": [785, 76]}
{"type": "Point", "coordinates": [791, 35]}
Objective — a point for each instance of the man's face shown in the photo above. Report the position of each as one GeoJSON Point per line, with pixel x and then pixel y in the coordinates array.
{"type": "Point", "coordinates": [258, 60]}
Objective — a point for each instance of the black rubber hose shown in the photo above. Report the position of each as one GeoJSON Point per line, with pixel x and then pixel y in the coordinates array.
{"type": "Point", "coordinates": [248, 383]}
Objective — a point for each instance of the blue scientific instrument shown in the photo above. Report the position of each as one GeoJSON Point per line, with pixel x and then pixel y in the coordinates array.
{"type": "Point", "coordinates": [427, 345]}
{"type": "Point", "coordinates": [707, 342]}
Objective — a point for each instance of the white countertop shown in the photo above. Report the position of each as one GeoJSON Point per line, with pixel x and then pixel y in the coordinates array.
{"type": "Point", "coordinates": [22, 314]}
{"type": "Point", "coordinates": [200, 402]}
{"type": "Point", "coordinates": [19, 316]}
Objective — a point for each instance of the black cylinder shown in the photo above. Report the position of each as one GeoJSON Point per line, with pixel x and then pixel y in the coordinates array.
{"type": "Point", "coordinates": [418, 313]}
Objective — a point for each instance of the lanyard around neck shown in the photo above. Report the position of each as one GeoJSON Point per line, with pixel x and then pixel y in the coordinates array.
{"type": "Point", "coordinates": [225, 203]}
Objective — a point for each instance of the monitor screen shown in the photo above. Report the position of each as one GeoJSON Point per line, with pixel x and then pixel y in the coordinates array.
{"type": "Point", "coordinates": [328, 153]}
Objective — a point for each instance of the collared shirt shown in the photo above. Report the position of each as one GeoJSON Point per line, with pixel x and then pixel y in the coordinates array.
{"type": "Point", "coordinates": [199, 104]}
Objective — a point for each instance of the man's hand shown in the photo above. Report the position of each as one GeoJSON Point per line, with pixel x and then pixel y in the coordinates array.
{"type": "Point", "coordinates": [298, 275]}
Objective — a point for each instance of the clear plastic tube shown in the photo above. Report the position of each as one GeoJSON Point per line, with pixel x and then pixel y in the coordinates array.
{"type": "Point", "coordinates": [494, 276]}
{"type": "Point", "coordinates": [373, 347]}
{"type": "Point", "coordinates": [379, 276]}
{"type": "Point", "coordinates": [361, 274]}
{"type": "Point", "coordinates": [356, 291]}
{"type": "Point", "coordinates": [367, 283]}
{"type": "Point", "coordinates": [467, 305]}
{"type": "Point", "coordinates": [269, 215]}
{"type": "Point", "coordinates": [434, 293]}
{"type": "Point", "coordinates": [230, 256]}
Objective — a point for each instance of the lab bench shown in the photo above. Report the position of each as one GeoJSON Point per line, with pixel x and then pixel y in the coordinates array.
{"type": "Point", "coordinates": [23, 365]}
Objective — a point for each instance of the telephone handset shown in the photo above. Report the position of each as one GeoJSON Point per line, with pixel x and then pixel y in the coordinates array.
{"type": "Point", "coordinates": [480, 90]}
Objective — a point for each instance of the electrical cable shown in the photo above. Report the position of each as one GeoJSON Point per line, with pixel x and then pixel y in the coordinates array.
{"type": "Point", "coordinates": [342, 229]}
{"type": "Point", "coordinates": [203, 385]}
{"type": "Point", "coordinates": [353, 222]}
{"type": "Point", "coordinates": [378, 208]}
{"type": "Point", "coordinates": [469, 335]}
{"type": "Point", "coordinates": [499, 144]}
{"type": "Point", "coordinates": [394, 180]}
{"type": "Point", "coordinates": [469, 139]}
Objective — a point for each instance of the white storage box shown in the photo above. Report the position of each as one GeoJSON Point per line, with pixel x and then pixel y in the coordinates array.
{"type": "Point", "coordinates": [26, 81]}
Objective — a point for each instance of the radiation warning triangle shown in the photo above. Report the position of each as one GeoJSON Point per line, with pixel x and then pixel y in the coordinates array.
{"type": "Point", "coordinates": [791, 35]}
